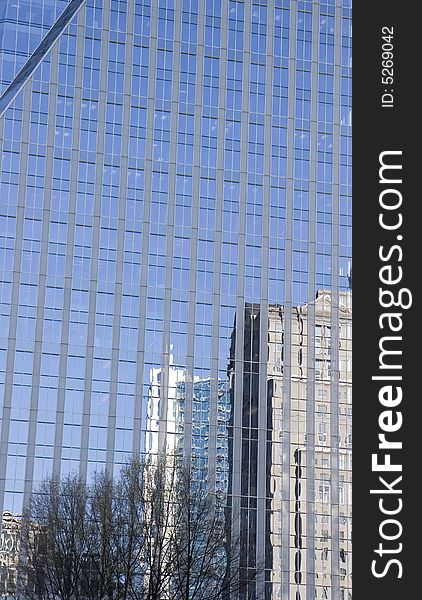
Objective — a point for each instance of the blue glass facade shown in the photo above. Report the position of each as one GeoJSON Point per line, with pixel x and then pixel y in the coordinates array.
{"type": "Point", "coordinates": [22, 27]}
{"type": "Point", "coordinates": [168, 164]}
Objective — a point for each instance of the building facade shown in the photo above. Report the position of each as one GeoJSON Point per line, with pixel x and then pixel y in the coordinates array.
{"type": "Point", "coordinates": [172, 171]}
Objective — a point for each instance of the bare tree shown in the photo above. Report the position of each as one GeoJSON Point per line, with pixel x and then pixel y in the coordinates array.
{"type": "Point", "coordinates": [99, 577]}
{"type": "Point", "coordinates": [129, 531]}
{"type": "Point", "coordinates": [152, 533]}
{"type": "Point", "coordinates": [159, 527]}
{"type": "Point", "coordinates": [53, 541]}
{"type": "Point", "coordinates": [206, 557]}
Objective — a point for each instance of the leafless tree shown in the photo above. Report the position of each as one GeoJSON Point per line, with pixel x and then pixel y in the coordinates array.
{"type": "Point", "coordinates": [206, 558]}
{"type": "Point", "coordinates": [128, 529]}
{"type": "Point", "coordinates": [53, 541]}
{"type": "Point", "coordinates": [99, 578]}
{"type": "Point", "coordinates": [154, 532]}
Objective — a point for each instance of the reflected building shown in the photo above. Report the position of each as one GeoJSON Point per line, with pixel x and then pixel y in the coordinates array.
{"type": "Point", "coordinates": [170, 167]}
{"type": "Point", "coordinates": [163, 420]}
{"type": "Point", "coordinates": [291, 424]}
{"type": "Point", "coordinates": [167, 435]}
{"type": "Point", "coordinates": [202, 435]}
{"type": "Point", "coordinates": [9, 552]}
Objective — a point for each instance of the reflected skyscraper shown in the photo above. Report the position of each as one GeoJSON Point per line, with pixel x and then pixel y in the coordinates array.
{"type": "Point", "coordinates": [171, 168]}
{"type": "Point", "coordinates": [166, 434]}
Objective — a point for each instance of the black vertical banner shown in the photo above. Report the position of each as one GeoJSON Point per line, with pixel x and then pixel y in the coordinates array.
{"type": "Point", "coordinates": [387, 361]}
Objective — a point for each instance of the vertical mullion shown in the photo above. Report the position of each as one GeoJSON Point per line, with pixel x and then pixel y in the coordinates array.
{"type": "Point", "coordinates": [117, 313]}
{"type": "Point", "coordinates": [287, 370]}
{"type": "Point", "coordinates": [216, 297]}
{"type": "Point", "coordinates": [165, 393]}
{"type": "Point", "coordinates": [193, 268]}
{"type": "Point", "coordinates": [310, 373]}
{"type": "Point", "coordinates": [99, 169]}
{"type": "Point", "coordinates": [264, 319]}
{"type": "Point", "coordinates": [48, 179]}
{"type": "Point", "coordinates": [14, 303]}
{"type": "Point", "coordinates": [146, 226]}
{"type": "Point", "coordinates": [335, 314]}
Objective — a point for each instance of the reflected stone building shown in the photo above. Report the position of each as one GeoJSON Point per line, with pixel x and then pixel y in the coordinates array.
{"type": "Point", "coordinates": [9, 552]}
{"type": "Point", "coordinates": [170, 168]}
{"type": "Point", "coordinates": [292, 429]}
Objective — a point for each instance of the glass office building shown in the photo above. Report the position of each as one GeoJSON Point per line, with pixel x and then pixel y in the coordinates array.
{"type": "Point", "coordinates": [175, 195]}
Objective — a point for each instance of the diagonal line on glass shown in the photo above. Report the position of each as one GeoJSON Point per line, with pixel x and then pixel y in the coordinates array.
{"type": "Point", "coordinates": [39, 53]}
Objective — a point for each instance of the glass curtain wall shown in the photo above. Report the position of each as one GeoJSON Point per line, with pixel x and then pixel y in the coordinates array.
{"type": "Point", "coordinates": [175, 222]}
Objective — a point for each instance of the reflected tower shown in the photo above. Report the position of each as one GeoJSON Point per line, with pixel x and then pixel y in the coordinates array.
{"type": "Point", "coordinates": [293, 475]}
